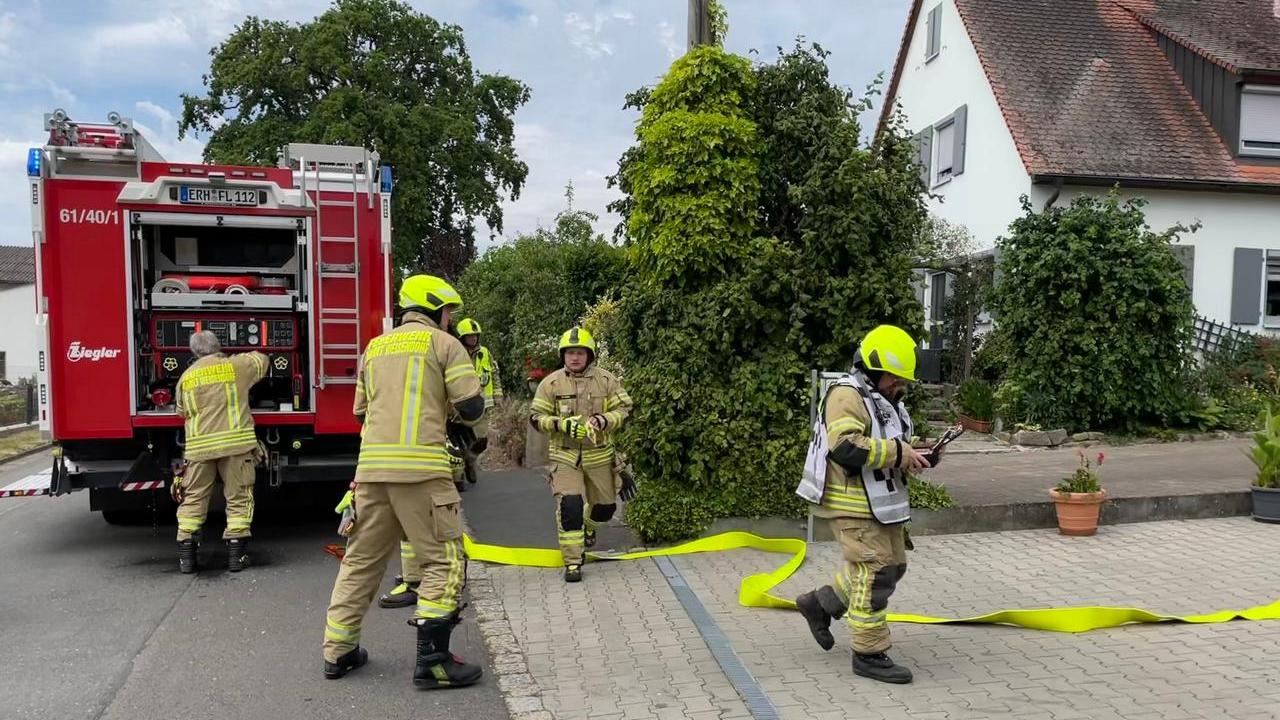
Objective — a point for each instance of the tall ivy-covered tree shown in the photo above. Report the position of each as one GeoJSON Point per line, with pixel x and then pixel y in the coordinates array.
{"type": "Point", "coordinates": [764, 240]}
{"type": "Point", "coordinates": [378, 74]}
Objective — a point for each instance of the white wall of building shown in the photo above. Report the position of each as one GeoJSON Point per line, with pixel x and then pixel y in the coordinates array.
{"type": "Point", "coordinates": [1228, 221]}
{"type": "Point", "coordinates": [985, 197]}
{"type": "Point", "coordinates": [18, 330]}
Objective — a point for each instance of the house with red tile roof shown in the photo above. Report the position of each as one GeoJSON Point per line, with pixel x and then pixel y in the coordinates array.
{"type": "Point", "coordinates": [1174, 101]}
{"type": "Point", "coordinates": [18, 353]}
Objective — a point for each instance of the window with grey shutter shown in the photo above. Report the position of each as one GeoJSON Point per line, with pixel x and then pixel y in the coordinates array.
{"type": "Point", "coordinates": [957, 143]}
{"type": "Point", "coordinates": [934, 42]}
{"type": "Point", "coordinates": [1260, 120]}
{"type": "Point", "coordinates": [923, 142]}
{"type": "Point", "coordinates": [1246, 287]}
{"type": "Point", "coordinates": [1186, 255]}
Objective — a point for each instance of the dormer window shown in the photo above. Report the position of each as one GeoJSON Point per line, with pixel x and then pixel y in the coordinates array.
{"type": "Point", "coordinates": [1260, 120]}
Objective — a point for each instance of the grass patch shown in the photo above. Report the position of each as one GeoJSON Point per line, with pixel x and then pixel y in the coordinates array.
{"type": "Point", "coordinates": [20, 442]}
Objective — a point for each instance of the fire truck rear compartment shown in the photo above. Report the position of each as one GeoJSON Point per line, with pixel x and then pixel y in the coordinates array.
{"type": "Point", "coordinates": [243, 282]}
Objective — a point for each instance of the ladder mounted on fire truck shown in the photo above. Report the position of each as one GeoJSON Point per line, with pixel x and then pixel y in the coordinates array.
{"type": "Point", "coordinates": [336, 171]}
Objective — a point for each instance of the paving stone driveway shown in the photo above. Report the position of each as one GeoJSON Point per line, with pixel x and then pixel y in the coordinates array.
{"type": "Point", "coordinates": [621, 646]}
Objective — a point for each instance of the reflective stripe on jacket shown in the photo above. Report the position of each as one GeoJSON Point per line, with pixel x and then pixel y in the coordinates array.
{"type": "Point", "coordinates": [594, 392]}
{"type": "Point", "coordinates": [213, 397]}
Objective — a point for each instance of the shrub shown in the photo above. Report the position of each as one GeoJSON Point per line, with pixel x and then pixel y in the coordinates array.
{"type": "Point", "coordinates": [764, 240]}
{"type": "Point", "coordinates": [928, 496]}
{"type": "Point", "coordinates": [1266, 451]}
{"type": "Point", "coordinates": [508, 424]}
{"type": "Point", "coordinates": [1100, 314]}
{"type": "Point", "coordinates": [976, 400]}
{"type": "Point", "coordinates": [529, 291]}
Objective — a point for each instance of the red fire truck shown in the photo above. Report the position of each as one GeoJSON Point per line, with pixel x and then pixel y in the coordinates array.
{"type": "Point", "coordinates": [134, 254]}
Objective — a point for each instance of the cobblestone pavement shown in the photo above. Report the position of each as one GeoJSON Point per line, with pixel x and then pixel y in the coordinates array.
{"type": "Point", "coordinates": [621, 646]}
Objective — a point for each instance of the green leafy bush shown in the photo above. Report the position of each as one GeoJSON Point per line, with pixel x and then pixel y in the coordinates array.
{"type": "Point", "coordinates": [1266, 451]}
{"type": "Point", "coordinates": [529, 291]}
{"type": "Point", "coordinates": [976, 399]}
{"type": "Point", "coordinates": [1100, 313]}
{"type": "Point", "coordinates": [764, 240]}
{"type": "Point", "coordinates": [928, 496]}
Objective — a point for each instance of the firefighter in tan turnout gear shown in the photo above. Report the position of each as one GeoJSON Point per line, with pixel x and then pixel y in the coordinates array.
{"type": "Point", "coordinates": [408, 380]}
{"type": "Point", "coordinates": [470, 441]}
{"type": "Point", "coordinates": [862, 445]}
{"type": "Point", "coordinates": [213, 399]}
{"type": "Point", "coordinates": [581, 406]}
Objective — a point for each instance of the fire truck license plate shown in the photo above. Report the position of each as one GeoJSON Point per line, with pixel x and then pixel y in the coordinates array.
{"type": "Point", "coordinates": [217, 196]}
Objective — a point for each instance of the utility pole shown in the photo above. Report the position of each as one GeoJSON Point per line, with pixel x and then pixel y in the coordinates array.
{"type": "Point", "coordinates": [699, 23]}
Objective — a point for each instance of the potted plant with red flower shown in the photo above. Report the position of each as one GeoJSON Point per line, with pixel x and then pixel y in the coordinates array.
{"type": "Point", "coordinates": [1078, 498]}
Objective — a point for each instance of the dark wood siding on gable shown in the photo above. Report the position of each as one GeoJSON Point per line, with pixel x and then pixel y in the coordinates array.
{"type": "Point", "coordinates": [1215, 90]}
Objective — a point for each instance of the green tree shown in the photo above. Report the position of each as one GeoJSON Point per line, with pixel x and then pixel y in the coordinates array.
{"type": "Point", "coordinates": [764, 240]}
{"type": "Point", "coordinates": [1100, 313]}
{"type": "Point", "coordinates": [526, 292]}
{"type": "Point", "coordinates": [373, 73]}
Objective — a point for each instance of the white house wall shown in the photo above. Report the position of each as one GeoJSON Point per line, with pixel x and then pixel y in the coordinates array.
{"type": "Point", "coordinates": [18, 330]}
{"type": "Point", "coordinates": [984, 198]}
{"type": "Point", "coordinates": [1228, 221]}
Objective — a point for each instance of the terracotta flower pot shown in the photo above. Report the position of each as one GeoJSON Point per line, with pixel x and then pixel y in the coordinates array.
{"type": "Point", "coordinates": [972, 425]}
{"type": "Point", "coordinates": [1078, 512]}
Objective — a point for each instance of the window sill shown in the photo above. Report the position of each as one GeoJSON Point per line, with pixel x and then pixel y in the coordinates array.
{"type": "Point", "coordinates": [932, 57]}
{"type": "Point", "coordinates": [943, 181]}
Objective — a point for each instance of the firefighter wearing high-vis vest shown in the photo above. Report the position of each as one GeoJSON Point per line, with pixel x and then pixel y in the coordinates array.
{"type": "Point", "coordinates": [213, 399]}
{"type": "Point", "coordinates": [581, 406]}
{"type": "Point", "coordinates": [409, 379]}
{"type": "Point", "coordinates": [472, 442]}
{"type": "Point", "coordinates": [861, 454]}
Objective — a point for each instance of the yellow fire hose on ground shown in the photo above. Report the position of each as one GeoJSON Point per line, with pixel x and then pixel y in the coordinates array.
{"type": "Point", "coordinates": [754, 589]}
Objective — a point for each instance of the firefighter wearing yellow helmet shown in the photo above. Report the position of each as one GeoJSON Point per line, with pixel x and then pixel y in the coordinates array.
{"type": "Point", "coordinates": [409, 379]}
{"type": "Point", "coordinates": [581, 406]}
{"type": "Point", "coordinates": [472, 442]}
{"type": "Point", "coordinates": [857, 465]}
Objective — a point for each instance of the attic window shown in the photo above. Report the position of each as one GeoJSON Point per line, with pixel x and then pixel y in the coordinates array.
{"type": "Point", "coordinates": [1260, 121]}
{"type": "Point", "coordinates": [934, 42]}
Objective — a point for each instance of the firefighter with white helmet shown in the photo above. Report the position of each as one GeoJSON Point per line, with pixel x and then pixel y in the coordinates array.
{"type": "Point", "coordinates": [472, 442]}
{"type": "Point", "coordinates": [581, 406]}
{"type": "Point", "coordinates": [409, 379]}
{"type": "Point", "coordinates": [863, 449]}
{"type": "Point", "coordinates": [213, 399]}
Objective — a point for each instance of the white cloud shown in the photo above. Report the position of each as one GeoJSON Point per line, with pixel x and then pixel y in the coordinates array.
{"type": "Point", "coordinates": [667, 36]}
{"type": "Point", "coordinates": [60, 94]}
{"type": "Point", "coordinates": [533, 20]}
{"type": "Point", "coordinates": [8, 26]}
{"type": "Point", "coordinates": [15, 209]}
{"type": "Point", "coordinates": [162, 32]}
{"type": "Point", "coordinates": [166, 118]}
{"type": "Point", "coordinates": [624, 15]}
{"type": "Point", "coordinates": [584, 35]}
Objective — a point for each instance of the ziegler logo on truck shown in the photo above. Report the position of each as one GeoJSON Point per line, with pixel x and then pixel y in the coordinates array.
{"type": "Point", "coordinates": [77, 352]}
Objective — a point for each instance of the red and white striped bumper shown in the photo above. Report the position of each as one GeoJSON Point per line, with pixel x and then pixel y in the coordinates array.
{"type": "Point", "coordinates": [147, 485]}
{"type": "Point", "coordinates": [38, 484]}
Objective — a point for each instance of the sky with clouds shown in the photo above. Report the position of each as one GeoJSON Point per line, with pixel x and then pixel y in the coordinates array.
{"type": "Point", "coordinates": [580, 57]}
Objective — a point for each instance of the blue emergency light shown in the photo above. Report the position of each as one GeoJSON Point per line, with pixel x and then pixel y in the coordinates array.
{"type": "Point", "coordinates": [386, 178]}
{"type": "Point", "coordinates": [35, 156]}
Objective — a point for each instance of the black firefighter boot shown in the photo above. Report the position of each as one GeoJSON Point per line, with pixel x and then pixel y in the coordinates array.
{"type": "Point", "coordinates": [352, 660]}
{"type": "Point", "coordinates": [819, 607]}
{"type": "Point", "coordinates": [187, 555]}
{"type": "Point", "coordinates": [438, 668]}
{"type": "Point", "coordinates": [237, 554]}
{"type": "Point", "coordinates": [879, 666]}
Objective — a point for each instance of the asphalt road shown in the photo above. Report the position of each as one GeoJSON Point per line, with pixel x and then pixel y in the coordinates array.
{"type": "Point", "coordinates": [98, 623]}
{"type": "Point", "coordinates": [515, 508]}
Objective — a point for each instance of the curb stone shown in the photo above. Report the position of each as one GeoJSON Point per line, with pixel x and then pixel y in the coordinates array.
{"type": "Point", "coordinates": [518, 688]}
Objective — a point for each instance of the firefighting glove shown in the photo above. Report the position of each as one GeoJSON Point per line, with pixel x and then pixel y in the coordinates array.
{"type": "Point", "coordinates": [176, 490]}
{"type": "Point", "coordinates": [629, 488]}
{"type": "Point", "coordinates": [456, 459]}
{"type": "Point", "coordinates": [347, 507]}
{"type": "Point", "coordinates": [572, 427]}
